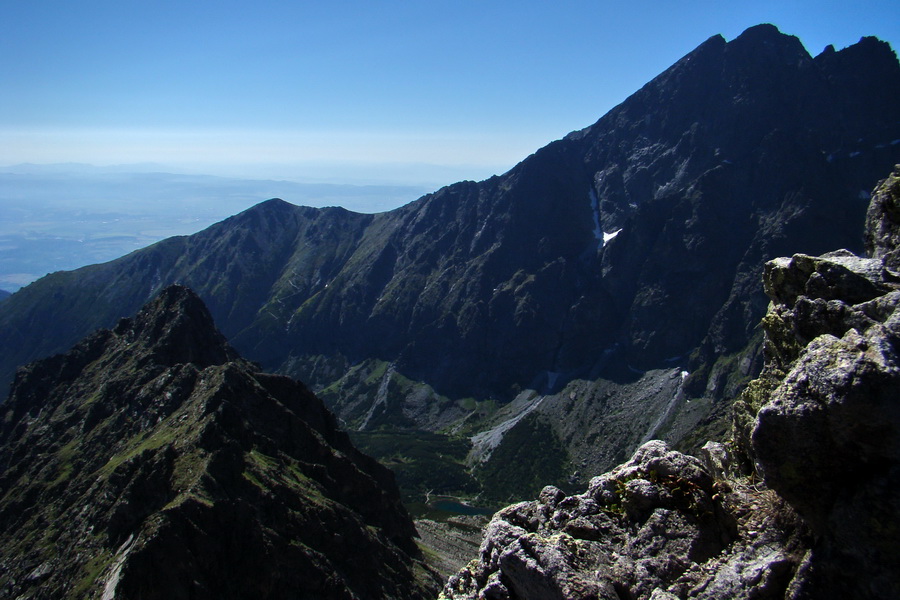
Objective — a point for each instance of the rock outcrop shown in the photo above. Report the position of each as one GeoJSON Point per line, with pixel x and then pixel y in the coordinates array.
{"type": "Point", "coordinates": [151, 461]}
{"type": "Point", "coordinates": [827, 436]}
{"type": "Point", "coordinates": [883, 223]}
{"type": "Point", "coordinates": [821, 426]}
{"type": "Point", "coordinates": [660, 526]}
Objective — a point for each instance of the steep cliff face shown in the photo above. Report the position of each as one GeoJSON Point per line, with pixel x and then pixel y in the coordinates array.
{"type": "Point", "coordinates": [601, 267]}
{"type": "Point", "coordinates": [151, 461]}
{"type": "Point", "coordinates": [821, 425]}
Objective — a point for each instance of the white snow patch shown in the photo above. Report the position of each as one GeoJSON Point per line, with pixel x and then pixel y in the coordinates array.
{"type": "Point", "coordinates": [607, 237]}
{"type": "Point", "coordinates": [684, 375]}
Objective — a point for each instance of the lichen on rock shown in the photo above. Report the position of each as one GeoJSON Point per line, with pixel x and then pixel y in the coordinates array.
{"type": "Point", "coordinates": [658, 526]}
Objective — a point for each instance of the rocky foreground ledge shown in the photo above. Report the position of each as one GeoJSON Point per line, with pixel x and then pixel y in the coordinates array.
{"type": "Point", "coordinates": [803, 503]}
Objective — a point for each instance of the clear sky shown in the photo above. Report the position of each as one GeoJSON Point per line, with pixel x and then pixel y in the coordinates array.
{"type": "Point", "coordinates": [229, 87]}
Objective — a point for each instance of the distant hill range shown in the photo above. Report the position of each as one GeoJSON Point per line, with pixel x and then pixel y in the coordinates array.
{"type": "Point", "coordinates": [61, 217]}
{"type": "Point", "coordinates": [4, 295]}
{"type": "Point", "coordinates": [602, 292]}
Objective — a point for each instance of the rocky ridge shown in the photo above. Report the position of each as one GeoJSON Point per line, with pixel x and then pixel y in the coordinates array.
{"type": "Point", "coordinates": [151, 461]}
{"type": "Point", "coordinates": [820, 427]}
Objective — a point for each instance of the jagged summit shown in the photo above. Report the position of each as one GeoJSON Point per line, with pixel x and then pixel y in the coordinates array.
{"type": "Point", "coordinates": [767, 34]}
{"type": "Point", "coordinates": [151, 461]}
{"type": "Point", "coordinates": [176, 327]}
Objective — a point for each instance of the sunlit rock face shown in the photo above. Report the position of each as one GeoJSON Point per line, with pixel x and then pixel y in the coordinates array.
{"type": "Point", "coordinates": [663, 525]}
{"type": "Point", "coordinates": [828, 436]}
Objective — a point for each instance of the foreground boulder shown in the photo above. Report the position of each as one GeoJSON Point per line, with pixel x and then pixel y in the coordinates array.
{"type": "Point", "coordinates": [151, 461]}
{"type": "Point", "coordinates": [821, 426]}
{"type": "Point", "coordinates": [660, 526]}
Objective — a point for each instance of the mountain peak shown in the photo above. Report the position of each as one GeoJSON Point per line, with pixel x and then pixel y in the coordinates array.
{"type": "Point", "coordinates": [176, 327]}
{"type": "Point", "coordinates": [125, 469]}
{"type": "Point", "coordinates": [762, 31]}
{"type": "Point", "coordinates": [767, 37]}
{"type": "Point", "coordinates": [274, 203]}
{"type": "Point", "coordinates": [273, 206]}
{"type": "Point", "coordinates": [602, 257]}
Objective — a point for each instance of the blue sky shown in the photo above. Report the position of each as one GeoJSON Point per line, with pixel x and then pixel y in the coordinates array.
{"type": "Point", "coordinates": [292, 88]}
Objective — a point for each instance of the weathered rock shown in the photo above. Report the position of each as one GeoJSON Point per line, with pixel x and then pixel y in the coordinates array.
{"type": "Point", "coordinates": [658, 526]}
{"type": "Point", "coordinates": [826, 435]}
{"type": "Point", "coordinates": [836, 275]}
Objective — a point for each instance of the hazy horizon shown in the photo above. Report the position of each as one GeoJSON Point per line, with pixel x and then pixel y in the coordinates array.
{"type": "Point", "coordinates": [283, 89]}
{"type": "Point", "coordinates": [61, 217]}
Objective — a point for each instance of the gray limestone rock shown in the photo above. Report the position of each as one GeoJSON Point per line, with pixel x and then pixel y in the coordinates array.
{"type": "Point", "coordinates": [828, 437]}
{"type": "Point", "coordinates": [822, 422]}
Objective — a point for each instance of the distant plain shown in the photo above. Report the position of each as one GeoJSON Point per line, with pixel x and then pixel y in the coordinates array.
{"type": "Point", "coordinates": [61, 217]}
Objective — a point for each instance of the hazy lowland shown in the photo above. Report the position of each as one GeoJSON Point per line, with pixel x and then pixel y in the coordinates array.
{"type": "Point", "coordinates": [60, 217]}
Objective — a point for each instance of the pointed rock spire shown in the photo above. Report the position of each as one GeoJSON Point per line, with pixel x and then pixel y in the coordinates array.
{"type": "Point", "coordinates": [176, 327]}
